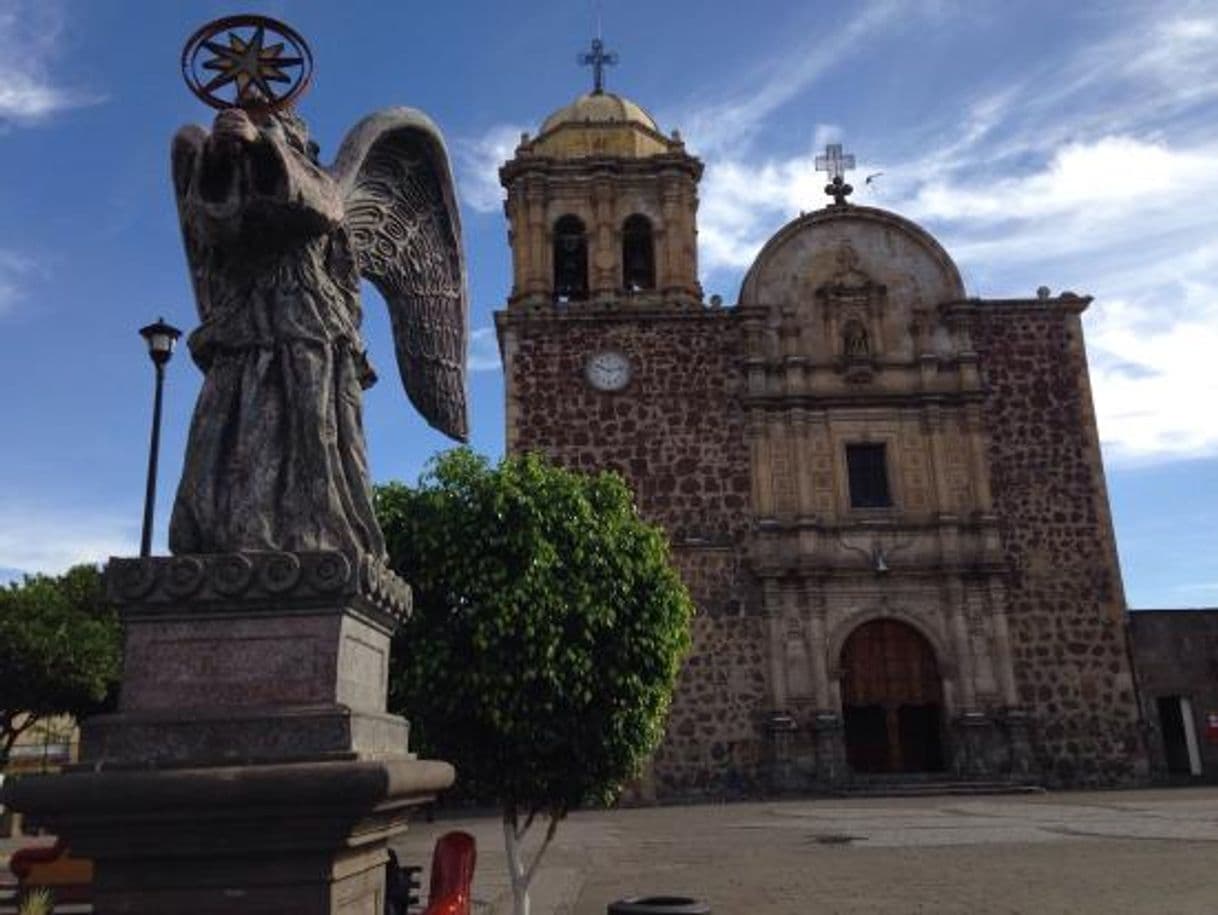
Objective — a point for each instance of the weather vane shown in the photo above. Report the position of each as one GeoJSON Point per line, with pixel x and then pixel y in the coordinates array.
{"type": "Point", "coordinates": [250, 62]}
{"type": "Point", "coordinates": [835, 164]}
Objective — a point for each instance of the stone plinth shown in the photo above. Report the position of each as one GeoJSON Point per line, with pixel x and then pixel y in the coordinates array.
{"type": "Point", "coordinates": [251, 766]}
{"type": "Point", "coordinates": [249, 658]}
{"type": "Point", "coordinates": [304, 838]}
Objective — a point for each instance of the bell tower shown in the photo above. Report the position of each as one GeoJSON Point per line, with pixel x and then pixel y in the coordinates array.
{"type": "Point", "coordinates": [601, 206]}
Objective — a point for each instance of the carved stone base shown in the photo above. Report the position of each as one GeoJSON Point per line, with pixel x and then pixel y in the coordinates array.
{"type": "Point", "coordinates": [307, 838]}
{"type": "Point", "coordinates": [1021, 763]}
{"type": "Point", "coordinates": [251, 767]}
{"type": "Point", "coordinates": [251, 658]}
{"type": "Point", "coordinates": [781, 731]}
{"type": "Point", "coordinates": [830, 749]}
{"type": "Point", "coordinates": [248, 735]}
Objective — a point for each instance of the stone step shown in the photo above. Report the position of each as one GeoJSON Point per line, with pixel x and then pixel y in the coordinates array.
{"type": "Point", "coordinates": [930, 787]}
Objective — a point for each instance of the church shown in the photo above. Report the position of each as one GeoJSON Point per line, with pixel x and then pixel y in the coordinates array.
{"type": "Point", "coordinates": [885, 494]}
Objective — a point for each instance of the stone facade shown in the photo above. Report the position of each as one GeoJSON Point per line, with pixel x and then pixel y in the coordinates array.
{"type": "Point", "coordinates": [1066, 603]}
{"type": "Point", "coordinates": [958, 609]}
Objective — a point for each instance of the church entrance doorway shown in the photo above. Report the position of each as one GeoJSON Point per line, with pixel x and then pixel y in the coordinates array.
{"type": "Point", "coordinates": [892, 700]}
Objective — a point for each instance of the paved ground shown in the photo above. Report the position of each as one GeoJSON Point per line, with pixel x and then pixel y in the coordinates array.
{"type": "Point", "coordinates": [1150, 852]}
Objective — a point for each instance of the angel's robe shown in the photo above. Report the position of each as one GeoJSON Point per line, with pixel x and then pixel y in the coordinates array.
{"type": "Point", "coordinates": [275, 458]}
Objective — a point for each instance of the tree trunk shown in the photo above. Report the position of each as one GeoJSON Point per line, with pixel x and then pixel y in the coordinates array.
{"type": "Point", "coordinates": [513, 838]}
{"type": "Point", "coordinates": [520, 878]}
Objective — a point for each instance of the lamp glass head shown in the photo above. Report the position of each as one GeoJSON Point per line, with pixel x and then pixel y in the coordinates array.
{"type": "Point", "coordinates": [160, 338]}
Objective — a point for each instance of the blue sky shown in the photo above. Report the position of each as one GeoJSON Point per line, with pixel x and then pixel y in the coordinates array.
{"type": "Point", "coordinates": [1068, 145]}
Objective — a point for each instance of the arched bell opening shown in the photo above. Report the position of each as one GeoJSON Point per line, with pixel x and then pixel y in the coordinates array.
{"type": "Point", "coordinates": [638, 254]}
{"type": "Point", "coordinates": [892, 700]}
{"type": "Point", "coordinates": [570, 259]}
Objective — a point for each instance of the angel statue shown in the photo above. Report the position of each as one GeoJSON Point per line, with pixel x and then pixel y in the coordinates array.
{"type": "Point", "coordinates": [277, 245]}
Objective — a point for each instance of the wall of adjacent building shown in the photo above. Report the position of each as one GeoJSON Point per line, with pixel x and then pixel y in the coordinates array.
{"type": "Point", "coordinates": [1176, 654]}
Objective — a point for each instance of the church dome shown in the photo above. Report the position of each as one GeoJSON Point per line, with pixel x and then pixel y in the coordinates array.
{"type": "Point", "coordinates": [600, 108]}
{"type": "Point", "coordinates": [601, 124]}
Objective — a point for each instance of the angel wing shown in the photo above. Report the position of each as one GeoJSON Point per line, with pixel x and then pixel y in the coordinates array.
{"type": "Point", "coordinates": [401, 210]}
{"type": "Point", "coordinates": [184, 156]}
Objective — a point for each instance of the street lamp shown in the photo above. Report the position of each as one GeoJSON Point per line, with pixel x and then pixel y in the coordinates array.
{"type": "Point", "coordinates": [160, 338]}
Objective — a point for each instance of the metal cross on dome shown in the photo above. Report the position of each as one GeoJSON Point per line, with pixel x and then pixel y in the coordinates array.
{"type": "Point", "coordinates": [598, 58]}
{"type": "Point", "coordinates": [835, 164]}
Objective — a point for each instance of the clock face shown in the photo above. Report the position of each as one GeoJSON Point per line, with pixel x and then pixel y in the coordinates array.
{"type": "Point", "coordinates": [608, 371]}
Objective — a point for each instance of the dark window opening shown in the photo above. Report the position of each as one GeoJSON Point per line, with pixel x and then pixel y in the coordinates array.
{"type": "Point", "coordinates": [570, 259]}
{"type": "Point", "coordinates": [638, 254]}
{"type": "Point", "coordinates": [866, 465]}
{"type": "Point", "coordinates": [1175, 738]}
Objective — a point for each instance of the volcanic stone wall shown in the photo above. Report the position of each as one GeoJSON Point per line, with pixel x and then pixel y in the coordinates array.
{"type": "Point", "coordinates": [676, 433]}
{"type": "Point", "coordinates": [1066, 602]}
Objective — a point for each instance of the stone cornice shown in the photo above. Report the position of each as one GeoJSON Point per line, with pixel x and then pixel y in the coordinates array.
{"type": "Point", "coordinates": [587, 167]}
{"type": "Point", "coordinates": [1067, 302]}
{"type": "Point", "coordinates": [222, 583]}
{"type": "Point", "coordinates": [622, 310]}
{"type": "Point", "coordinates": [902, 400]}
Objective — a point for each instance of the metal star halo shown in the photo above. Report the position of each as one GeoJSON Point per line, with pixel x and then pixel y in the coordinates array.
{"type": "Point", "coordinates": [249, 64]}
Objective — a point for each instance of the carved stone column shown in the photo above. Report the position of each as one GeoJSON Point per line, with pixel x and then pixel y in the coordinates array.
{"type": "Point", "coordinates": [604, 256]}
{"type": "Point", "coordinates": [772, 596]}
{"type": "Point", "coordinates": [1002, 646]}
{"type": "Point", "coordinates": [961, 645]}
{"type": "Point", "coordinates": [780, 726]}
{"type": "Point", "coordinates": [760, 447]}
{"type": "Point", "coordinates": [534, 244]}
{"type": "Point", "coordinates": [933, 423]}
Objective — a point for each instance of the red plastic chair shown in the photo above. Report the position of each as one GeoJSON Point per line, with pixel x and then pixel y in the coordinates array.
{"type": "Point", "coordinates": [452, 874]}
{"type": "Point", "coordinates": [53, 867]}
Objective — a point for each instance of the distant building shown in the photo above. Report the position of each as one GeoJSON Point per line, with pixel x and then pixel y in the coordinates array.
{"type": "Point", "coordinates": [1176, 658]}
{"type": "Point", "coordinates": [886, 496]}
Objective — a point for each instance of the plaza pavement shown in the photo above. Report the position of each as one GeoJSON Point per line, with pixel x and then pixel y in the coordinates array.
{"type": "Point", "coordinates": [1152, 852]}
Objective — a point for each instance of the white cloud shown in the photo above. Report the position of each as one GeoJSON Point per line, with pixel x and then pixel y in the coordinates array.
{"type": "Point", "coordinates": [732, 121]}
{"type": "Point", "coordinates": [1109, 176]}
{"type": "Point", "coordinates": [484, 350]}
{"type": "Point", "coordinates": [1152, 360]}
{"type": "Point", "coordinates": [478, 162]}
{"type": "Point", "coordinates": [15, 268]}
{"type": "Point", "coordinates": [36, 539]}
{"type": "Point", "coordinates": [31, 39]}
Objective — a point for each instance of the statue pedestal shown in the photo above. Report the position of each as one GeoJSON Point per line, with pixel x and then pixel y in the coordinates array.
{"type": "Point", "coordinates": [251, 766]}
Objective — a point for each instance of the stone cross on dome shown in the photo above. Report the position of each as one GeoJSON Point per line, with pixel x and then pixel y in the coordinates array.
{"type": "Point", "coordinates": [598, 58]}
{"type": "Point", "coordinates": [835, 164]}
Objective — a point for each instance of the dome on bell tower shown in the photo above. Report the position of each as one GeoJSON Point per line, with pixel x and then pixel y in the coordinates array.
{"type": "Point", "coordinates": [601, 124]}
{"type": "Point", "coordinates": [602, 207]}
{"type": "Point", "coordinates": [603, 108]}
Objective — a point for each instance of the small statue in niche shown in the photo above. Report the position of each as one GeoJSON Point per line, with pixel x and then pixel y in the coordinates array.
{"type": "Point", "coordinates": [855, 343]}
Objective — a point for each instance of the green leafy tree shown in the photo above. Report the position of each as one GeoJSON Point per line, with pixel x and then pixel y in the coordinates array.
{"type": "Point", "coordinates": [547, 634]}
{"type": "Point", "coordinates": [60, 650]}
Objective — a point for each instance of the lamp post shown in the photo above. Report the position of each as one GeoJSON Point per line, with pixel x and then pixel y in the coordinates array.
{"type": "Point", "coordinates": [160, 338]}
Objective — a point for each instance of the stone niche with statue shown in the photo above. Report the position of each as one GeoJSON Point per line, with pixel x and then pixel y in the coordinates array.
{"type": "Point", "coordinates": [251, 765]}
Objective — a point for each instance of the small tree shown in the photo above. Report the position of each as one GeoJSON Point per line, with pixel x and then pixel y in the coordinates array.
{"type": "Point", "coordinates": [60, 650]}
{"type": "Point", "coordinates": [547, 633]}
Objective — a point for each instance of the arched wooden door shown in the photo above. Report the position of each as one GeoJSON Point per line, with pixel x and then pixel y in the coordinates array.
{"type": "Point", "coordinates": [892, 699]}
